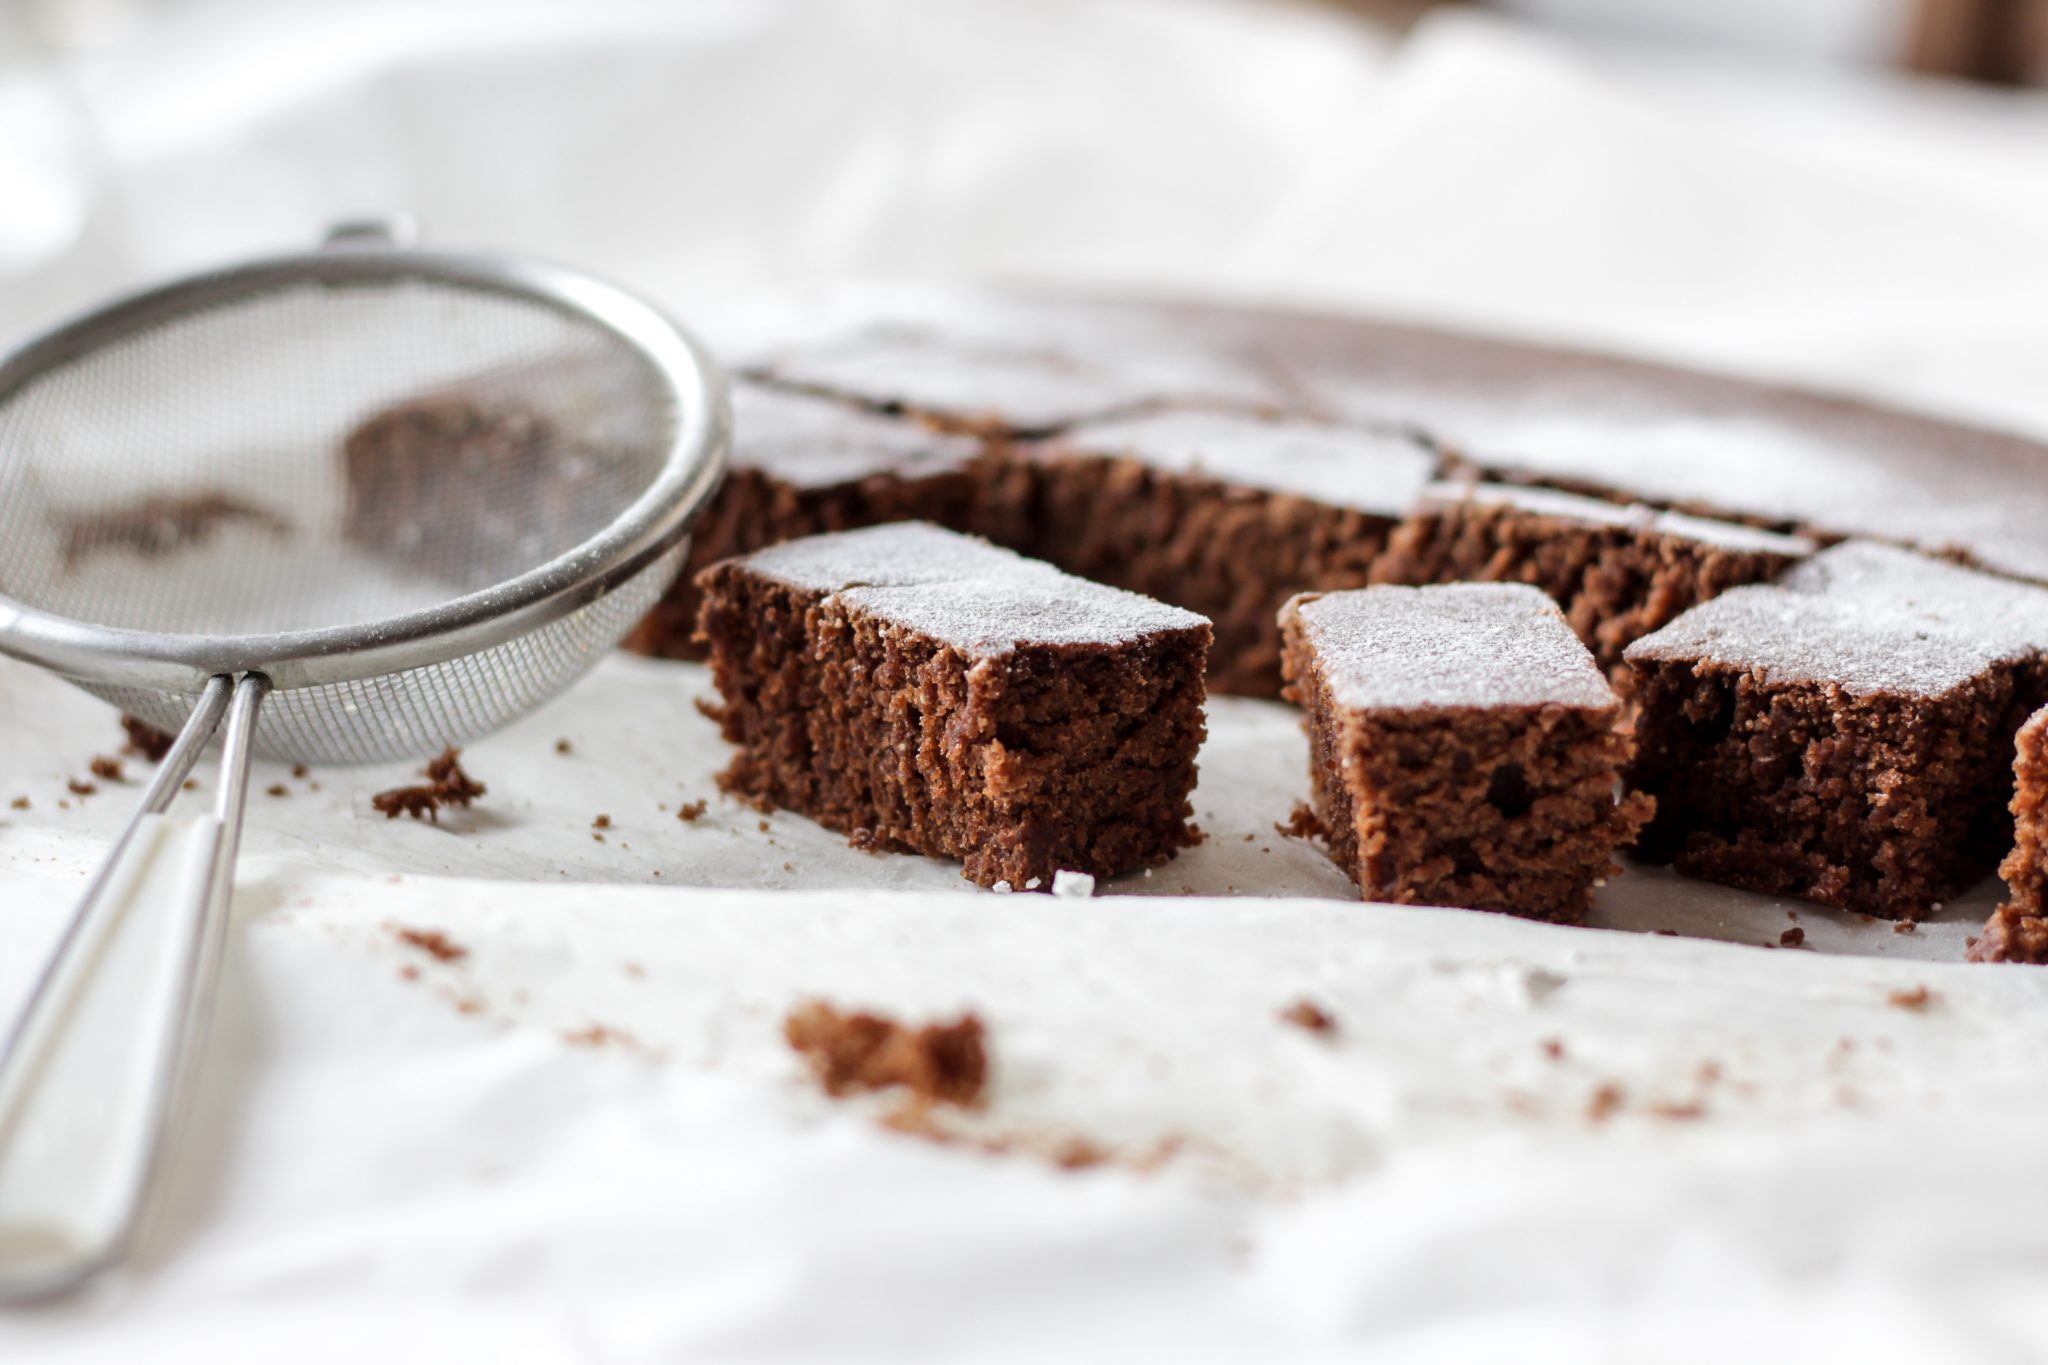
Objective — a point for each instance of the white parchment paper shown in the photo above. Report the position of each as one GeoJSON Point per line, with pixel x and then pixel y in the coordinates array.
{"type": "Point", "coordinates": [584, 1140]}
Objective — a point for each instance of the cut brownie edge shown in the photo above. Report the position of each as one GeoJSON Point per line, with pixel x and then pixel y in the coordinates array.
{"type": "Point", "coordinates": [1618, 571]}
{"type": "Point", "coordinates": [2018, 930]}
{"type": "Point", "coordinates": [1020, 757]}
{"type": "Point", "coordinates": [1503, 799]}
{"type": "Point", "coordinates": [1844, 736]}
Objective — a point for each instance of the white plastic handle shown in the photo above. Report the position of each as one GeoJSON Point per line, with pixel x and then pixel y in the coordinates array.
{"type": "Point", "coordinates": [94, 1063]}
{"type": "Point", "coordinates": [91, 1077]}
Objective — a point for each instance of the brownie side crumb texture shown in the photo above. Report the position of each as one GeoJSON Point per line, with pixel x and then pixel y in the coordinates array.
{"type": "Point", "coordinates": [2018, 929]}
{"type": "Point", "coordinates": [1845, 736]}
{"type": "Point", "coordinates": [921, 691]}
{"type": "Point", "coordinates": [853, 1052]}
{"type": "Point", "coordinates": [1495, 792]}
{"type": "Point", "coordinates": [1619, 572]}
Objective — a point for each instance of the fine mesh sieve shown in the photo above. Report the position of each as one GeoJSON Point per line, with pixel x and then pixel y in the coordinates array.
{"type": "Point", "coordinates": [384, 498]}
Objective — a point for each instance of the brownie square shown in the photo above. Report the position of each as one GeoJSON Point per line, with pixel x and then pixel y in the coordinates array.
{"type": "Point", "coordinates": [1463, 746]}
{"type": "Point", "coordinates": [501, 472]}
{"type": "Point", "coordinates": [801, 466]}
{"type": "Point", "coordinates": [1619, 570]}
{"type": "Point", "coordinates": [925, 691]}
{"type": "Point", "coordinates": [1226, 513]}
{"type": "Point", "coordinates": [1845, 735]}
{"type": "Point", "coordinates": [2018, 930]}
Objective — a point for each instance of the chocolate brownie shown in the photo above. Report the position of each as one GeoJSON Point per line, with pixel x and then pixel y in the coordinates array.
{"type": "Point", "coordinates": [992, 367]}
{"type": "Point", "coordinates": [1729, 448]}
{"type": "Point", "coordinates": [922, 690]}
{"type": "Point", "coordinates": [2018, 930]}
{"type": "Point", "coordinates": [802, 465]}
{"type": "Point", "coordinates": [499, 473]}
{"type": "Point", "coordinates": [1464, 748]}
{"type": "Point", "coordinates": [1227, 513]}
{"type": "Point", "coordinates": [1844, 735]}
{"type": "Point", "coordinates": [1619, 570]}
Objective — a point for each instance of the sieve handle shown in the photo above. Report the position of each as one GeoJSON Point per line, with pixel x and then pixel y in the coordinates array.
{"type": "Point", "coordinates": [93, 1071]}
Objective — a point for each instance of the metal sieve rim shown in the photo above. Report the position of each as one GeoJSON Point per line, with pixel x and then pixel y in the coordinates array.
{"type": "Point", "coordinates": [650, 526]}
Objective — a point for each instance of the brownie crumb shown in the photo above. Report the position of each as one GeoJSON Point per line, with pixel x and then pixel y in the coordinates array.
{"type": "Point", "coordinates": [446, 785]}
{"type": "Point", "coordinates": [156, 527]}
{"type": "Point", "coordinates": [690, 812]}
{"type": "Point", "coordinates": [1605, 1102]}
{"type": "Point", "coordinates": [1915, 998]}
{"type": "Point", "coordinates": [300, 771]}
{"type": "Point", "coordinates": [598, 1035]}
{"type": "Point", "coordinates": [19, 803]}
{"type": "Point", "coordinates": [146, 739]}
{"type": "Point", "coordinates": [854, 1052]}
{"type": "Point", "coordinates": [1688, 1111]}
{"type": "Point", "coordinates": [80, 787]}
{"type": "Point", "coordinates": [1553, 1048]}
{"type": "Point", "coordinates": [764, 829]}
{"type": "Point", "coordinates": [601, 822]}
{"type": "Point", "coordinates": [562, 747]}
{"type": "Point", "coordinates": [1792, 938]}
{"type": "Point", "coordinates": [1307, 1014]}
{"type": "Point", "coordinates": [1905, 926]}
{"type": "Point", "coordinates": [277, 789]}
{"type": "Point", "coordinates": [106, 769]}
{"type": "Point", "coordinates": [1302, 823]}
{"type": "Point", "coordinates": [2011, 935]}
{"type": "Point", "coordinates": [432, 942]}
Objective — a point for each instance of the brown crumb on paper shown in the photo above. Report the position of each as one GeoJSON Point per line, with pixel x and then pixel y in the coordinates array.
{"type": "Point", "coordinates": [848, 1053]}
{"type": "Point", "coordinates": [1915, 998]}
{"type": "Point", "coordinates": [562, 746]}
{"type": "Point", "coordinates": [1792, 938]}
{"type": "Point", "coordinates": [1686, 1112]}
{"type": "Point", "coordinates": [1302, 823]}
{"type": "Point", "coordinates": [601, 822]}
{"type": "Point", "coordinates": [432, 942]}
{"type": "Point", "coordinates": [277, 789]}
{"type": "Point", "coordinates": [19, 803]}
{"type": "Point", "coordinates": [446, 785]}
{"type": "Point", "coordinates": [690, 812]}
{"type": "Point", "coordinates": [1606, 1101]}
{"type": "Point", "coordinates": [599, 1035]}
{"type": "Point", "coordinates": [106, 769]}
{"type": "Point", "coordinates": [1307, 1014]}
{"type": "Point", "coordinates": [146, 739]}
{"type": "Point", "coordinates": [80, 787]}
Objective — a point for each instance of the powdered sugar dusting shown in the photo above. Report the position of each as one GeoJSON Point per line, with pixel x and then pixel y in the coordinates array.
{"type": "Point", "coordinates": [1578, 507]}
{"type": "Point", "coordinates": [966, 592]}
{"type": "Point", "coordinates": [1024, 388]}
{"type": "Point", "coordinates": [1868, 618]}
{"type": "Point", "coordinates": [813, 442]}
{"type": "Point", "coordinates": [1463, 644]}
{"type": "Point", "coordinates": [1347, 466]}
